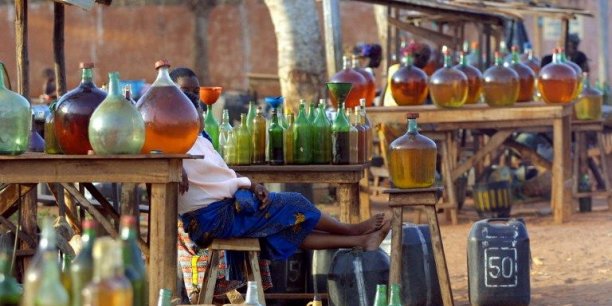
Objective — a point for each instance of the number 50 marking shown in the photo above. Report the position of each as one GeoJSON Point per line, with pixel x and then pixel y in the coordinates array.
{"type": "Point", "coordinates": [501, 267]}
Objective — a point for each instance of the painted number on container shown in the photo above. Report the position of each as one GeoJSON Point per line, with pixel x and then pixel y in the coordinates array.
{"type": "Point", "coordinates": [500, 267]}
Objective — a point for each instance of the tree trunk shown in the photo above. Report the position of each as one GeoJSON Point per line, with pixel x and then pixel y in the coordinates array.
{"type": "Point", "coordinates": [382, 25]}
{"type": "Point", "coordinates": [201, 12]}
{"type": "Point", "coordinates": [301, 65]}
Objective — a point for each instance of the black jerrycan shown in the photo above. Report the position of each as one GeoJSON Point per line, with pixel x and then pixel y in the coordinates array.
{"type": "Point", "coordinates": [498, 263]}
{"type": "Point", "coordinates": [319, 270]}
{"type": "Point", "coordinates": [290, 275]}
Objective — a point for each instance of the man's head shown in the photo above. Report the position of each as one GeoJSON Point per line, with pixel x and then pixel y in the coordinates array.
{"type": "Point", "coordinates": [573, 40]}
{"type": "Point", "coordinates": [188, 82]}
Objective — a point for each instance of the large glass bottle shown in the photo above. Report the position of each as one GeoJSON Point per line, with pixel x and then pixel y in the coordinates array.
{"type": "Point", "coordinates": [10, 291]}
{"type": "Point", "coordinates": [474, 80]}
{"type": "Point", "coordinates": [109, 286]}
{"type": "Point", "coordinates": [275, 141]}
{"type": "Point", "coordinates": [34, 273]}
{"type": "Point", "coordinates": [365, 121]}
{"type": "Point", "coordinates": [409, 84]}
{"type": "Point", "coordinates": [501, 84]}
{"type": "Point", "coordinates": [81, 269]}
{"type": "Point", "coordinates": [51, 292]}
{"type": "Point", "coordinates": [380, 299]}
{"type": "Point", "coordinates": [349, 75]}
{"type": "Point", "coordinates": [448, 87]}
{"type": "Point", "coordinates": [526, 77]}
{"type": "Point", "coordinates": [211, 126]}
{"type": "Point", "coordinates": [116, 127]}
{"type": "Point", "coordinates": [341, 143]}
{"type": "Point", "coordinates": [172, 122]}
{"type": "Point", "coordinates": [224, 131]}
{"type": "Point", "coordinates": [51, 144]}
{"type": "Point", "coordinates": [563, 58]}
{"type": "Point", "coordinates": [288, 140]}
{"type": "Point", "coordinates": [133, 264]}
{"type": "Point", "coordinates": [15, 120]}
{"type": "Point", "coordinates": [362, 136]}
{"type": "Point", "coordinates": [243, 142]}
{"type": "Point", "coordinates": [370, 82]}
{"type": "Point", "coordinates": [73, 112]}
{"type": "Point", "coordinates": [530, 60]}
{"type": "Point", "coordinates": [321, 146]}
{"type": "Point", "coordinates": [590, 100]}
{"type": "Point", "coordinates": [395, 298]}
{"type": "Point", "coordinates": [259, 138]}
{"type": "Point", "coordinates": [302, 138]}
{"type": "Point", "coordinates": [557, 82]}
{"type": "Point", "coordinates": [412, 160]}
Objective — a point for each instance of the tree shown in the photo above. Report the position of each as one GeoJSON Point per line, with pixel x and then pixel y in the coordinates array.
{"type": "Point", "coordinates": [301, 65]}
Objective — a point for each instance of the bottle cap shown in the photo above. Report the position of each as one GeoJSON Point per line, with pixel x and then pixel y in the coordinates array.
{"type": "Point", "coordinates": [412, 115]}
{"type": "Point", "coordinates": [162, 63]}
{"type": "Point", "coordinates": [128, 220]}
{"type": "Point", "coordinates": [515, 48]}
{"type": "Point", "coordinates": [89, 224]}
{"type": "Point", "coordinates": [86, 65]}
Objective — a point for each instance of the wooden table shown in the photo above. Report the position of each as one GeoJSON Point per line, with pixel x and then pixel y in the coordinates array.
{"type": "Point", "coordinates": [346, 178]}
{"type": "Point", "coordinates": [162, 171]}
{"type": "Point", "coordinates": [505, 120]}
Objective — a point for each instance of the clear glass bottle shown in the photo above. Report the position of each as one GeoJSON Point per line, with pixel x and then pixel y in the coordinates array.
{"type": "Point", "coordinates": [474, 79]}
{"type": "Point", "coordinates": [51, 292]}
{"type": "Point", "coordinates": [15, 120]}
{"type": "Point", "coordinates": [243, 142]}
{"type": "Point", "coordinates": [172, 122]}
{"type": "Point", "coordinates": [448, 87]}
{"type": "Point", "coordinates": [133, 264]}
{"type": "Point", "coordinates": [321, 146]}
{"type": "Point", "coordinates": [165, 297]}
{"type": "Point", "coordinates": [349, 75]}
{"type": "Point", "coordinates": [288, 140]}
{"type": "Point", "coordinates": [557, 82]}
{"type": "Point", "coordinates": [51, 144]}
{"type": "Point", "coordinates": [526, 77]}
{"type": "Point", "coordinates": [10, 291]}
{"type": "Point", "coordinates": [34, 273]}
{"type": "Point", "coordinates": [380, 299]}
{"type": "Point", "coordinates": [211, 126]}
{"type": "Point", "coordinates": [340, 136]}
{"type": "Point", "coordinates": [81, 269]}
{"type": "Point", "coordinates": [361, 136]}
{"type": "Point", "coordinates": [370, 81]}
{"type": "Point", "coordinates": [259, 138]}
{"type": "Point", "coordinates": [409, 84]}
{"type": "Point", "coordinates": [229, 150]}
{"type": "Point", "coordinates": [501, 84]}
{"type": "Point", "coordinates": [365, 121]}
{"type": "Point", "coordinates": [590, 101]}
{"type": "Point", "coordinates": [252, 299]}
{"type": "Point", "coordinates": [116, 127]}
{"type": "Point", "coordinates": [224, 131]}
{"type": "Point", "coordinates": [275, 141]}
{"type": "Point", "coordinates": [302, 137]}
{"type": "Point", "coordinates": [412, 161]}
{"type": "Point", "coordinates": [109, 286]}
{"type": "Point", "coordinates": [395, 298]}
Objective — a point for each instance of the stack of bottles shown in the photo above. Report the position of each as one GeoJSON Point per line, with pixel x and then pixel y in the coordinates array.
{"type": "Point", "coordinates": [393, 299]}
{"type": "Point", "coordinates": [105, 272]}
{"type": "Point", "coordinates": [308, 138]}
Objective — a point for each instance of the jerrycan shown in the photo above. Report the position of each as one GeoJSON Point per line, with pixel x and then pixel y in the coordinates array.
{"type": "Point", "coordinates": [498, 263]}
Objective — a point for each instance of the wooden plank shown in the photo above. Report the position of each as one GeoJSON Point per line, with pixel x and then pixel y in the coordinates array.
{"type": "Point", "coordinates": [561, 193]}
{"type": "Point", "coordinates": [493, 144]}
{"type": "Point", "coordinates": [210, 278]}
{"type": "Point", "coordinates": [447, 166]}
{"type": "Point", "coordinates": [333, 36]}
{"type": "Point", "coordinates": [31, 242]}
{"type": "Point", "coordinates": [395, 272]}
{"type": "Point", "coordinates": [236, 244]}
{"type": "Point", "coordinates": [529, 153]}
{"type": "Point", "coordinates": [413, 199]}
{"type": "Point", "coordinates": [256, 275]}
{"type": "Point", "coordinates": [11, 194]}
{"type": "Point", "coordinates": [93, 157]}
{"type": "Point", "coordinates": [108, 227]}
{"type": "Point", "coordinates": [21, 42]}
{"type": "Point", "coordinates": [162, 274]}
{"type": "Point", "coordinates": [27, 222]}
{"type": "Point", "coordinates": [58, 48]}
{"type": "Point", "coordinates": [440, 259]}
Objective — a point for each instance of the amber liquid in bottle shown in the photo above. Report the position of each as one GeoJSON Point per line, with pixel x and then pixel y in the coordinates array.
{"type": "Point", "coordinates": [408, 84]}
{"type": "Point", "coordinates": [362, 136]}
{"type": "Point", "coordinates": [259, 138]}
{"type": "Point", "coordinates": [341, 139]}
{"type": "Point", "coordinates": [349, 75]}
{"type": "Point", "coordinates": [557, 82]}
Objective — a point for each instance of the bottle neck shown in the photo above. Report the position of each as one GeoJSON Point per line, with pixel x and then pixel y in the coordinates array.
{"type": "Point", "coordinates": [463, 59]}
{"type": "Point", "coordinates": [127, 92]}
{"type": "Point", "coordinates": [163, 77]}
{"type": "Point", "coordinates": [128, 232]}
{"type": "Point", "coordinates": [113, 84]}
{"type": "Point", "coordinates": [412, 126]}
{"type": "Point", "coordinates": [88, 238]}
{"type": "Point", "coordinates": [87, 76]}
{"type": "Point", "coordinates": [499, 60]}
{"type": "Point", "coordinates": [556, 58]}
{"type": "Point", "coordinates": [5, 265]}
{"type": "Point", "coordinates": [448, 62]}
{"type": "Point", "coordinates": [243, 120]}
{"type": "Point", "coordinates": [251, 295]}
{"type": "Point", "coordinates": [529, 54]}
{"type": "Point", "coordinates": [274, 116]}
{"type": "Point", "coordinates": [394, 297]}
{"type": "Point", "coordinates": [586, 80]}
{"type": "Point", "coordinates": [515, 57]}
{"type": "Point", "coordinates": [225, 116]}
{"type": "Point", "coordinates": [355, 63]}
{"type": "Point", "coordinates": [165, 297]}
{"type": "Point", "coordinates": [346, 63]}
{"type": "Point", "coordinates": [408, 60]}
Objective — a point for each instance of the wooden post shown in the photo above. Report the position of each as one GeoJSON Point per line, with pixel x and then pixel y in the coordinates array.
{"type": "Point", "coordinates": [21, 42]}
{"type": "Point", "coordinates": [537, 34]}
{"type": "Point", "coordinates": [58, 48]}
{"type": "Point", "coordinates": [333, 36]}
{"type": "Point", "coordinates": [564, 33]}
{"type": "Point", "coordinates": [602, 57]}
{"type": "Point", "coordinates": [27, 222]}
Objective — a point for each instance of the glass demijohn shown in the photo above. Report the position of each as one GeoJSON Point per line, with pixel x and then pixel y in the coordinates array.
{"type": "Point", "coordinates": [10, 290]}
{"type": "Point", "coordinates": [349, 75]}
{"type": "Point", "coordinates": [526, 77]}
{"type": "Point", "coordinates": [501, 84]}
{"type": "Point", "coordinates": [474, 77]}
{"type": "Point", "coordinates": [409, 84]}
{"type": "Point", "coordinates": [557, 82]}
{"type": "Point", "coordinates": [15, 120]}
{"type": "Point", "coordinates": [370, 82]}
{"type": "Point", "coordinates": [590, 100]}
{"type": "Point", "coordinates": [448, 87]}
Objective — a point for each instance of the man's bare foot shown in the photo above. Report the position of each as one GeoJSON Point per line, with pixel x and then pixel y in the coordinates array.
{"type": "Point", "coordinates": [369, 226]}
{"type": "Point", "coordinates": [373, 240]}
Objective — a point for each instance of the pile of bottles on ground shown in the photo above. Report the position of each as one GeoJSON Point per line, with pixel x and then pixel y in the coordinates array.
{"type": "Point", "coordinates": [105, 271]}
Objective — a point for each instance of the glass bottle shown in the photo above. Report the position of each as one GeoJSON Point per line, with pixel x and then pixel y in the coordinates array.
{"type": "Point", "coordinates": [211, 126]}
{"type": "Point", "coordinates": [229, 150]}
{"type": "Point", "coordinates": [349, 75]}
{"type": "Point", "coordinates": [353, 139]}
{"type": "Point", "coordinates": [321, 146]}
{"type": "Point", "coordinates": [361, 138]}
{"type": "Point", "coordinates": [133, 264]}
{"type": "Point", "coordinates": [116, 127]}
{"type": "Point", "coordinates": [224, 131]}
{"type": "Point", "coordinates": [127, 94]}
{"type": "Point", "coordinates": [340, 135]}
{"type": "Point", "coordinates": [302, 138]}
{"type": "Point", "coordinates": [474, 79]}
{"type": "Point", "coordinates": [412, 163]}
{"type": "Point", "coordinates": [589, 102]}
{"type": "Point", "coordinates": [109, 286]}
{"type": "Point", "coordinates": [15, 120]}
{"type": "Point", "coordinates": [575, 67]}
{"type": "Point", "coordinates": [73, 112]}
{"type": "Point", "coordinates": [395, 295]}
{"type": "Point", "coordinates": [531, 61]}
{"type": "Point", "coordinates": [365, 121]}
{"type": "Point", "coordinates": [557, 82]}
{"type": "Point", "coordinates": [51, 144]}
{"type": "Point", "coordinates": [251, 116]}
{"type": "Point", "coordinates": [259, 138]}
{"type": "Point", "coordinates": [526, 77]}
{"type": "Point", "coordinates": [65, 275]}
{"type": "Point", "coordinates": [409, 84]}
{"type": "Point", "coordinates": [37, 143]}
{"type": "Point", "coordinates": [51, 292]}
{"type": "Point", "coordinates": [370, 81]}
{"type": "Point", "coordinates": [252, 298]}
{"type": "Point", "coordinates": [81, 269]}
{"type": "Point", "coordinates": [172, 123]}
{"type": "Point", "coordinates": [501, 84]}
{"type": "Point", "coordinates": [288, 140]}
{"type": "Point", "coordinates": [448, 87]}
{"type": "Point", "coordinates": [165, 297]}
{"type": "Point", "coordinates": [10, 291]}
{"type": "Point", "coordinates": [380, 299]}
{"type": "Point", "coordinates": [312, 113]}
{"type": "Point", "coordinates": [243, 142]}
{"type": "Point", "coordinates": [34, 273]}
{"type": "Point", "coordinates": [275, 141]}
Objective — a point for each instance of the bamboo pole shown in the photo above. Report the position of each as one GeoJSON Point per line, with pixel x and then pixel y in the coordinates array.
{"type": "Point", "coordinates": [58, 49]}
{"type": "Point", "coordinates": [21, 41]}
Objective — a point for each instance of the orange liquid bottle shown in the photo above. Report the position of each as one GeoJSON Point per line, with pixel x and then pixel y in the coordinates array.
{"type": "Point", "coordinates": [474, 80]}
{"type": "Point", "coordinates": [448, 86]}
{"type": "Point", "coordinates": [557, 82]}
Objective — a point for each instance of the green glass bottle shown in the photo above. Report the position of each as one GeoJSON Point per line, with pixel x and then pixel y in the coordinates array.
{"type": "Point", "coordinates": [362, 136]}
{"type": "Point", "coordinates": [275, 141]}
{"type": "Point", "coordinates": [10, 292]}
{"type": "Point", "coordinates": [243, 142]}
{"type": "Point", "coordinates": [340, 138]}
{"type": "Point", "coordinates": [15, 120]}
{"type": "Point", "coordinates": [133, 264]}
{"type": "Point", "coordinates": [51, 292]}
{"type": "Point", "coordinates": [34, 273]}
{"type": "Point", "coordinates": [211, 126]}
{"type": "Point", "coordinates": [312, 113]}
{"type": "Point", "coordinates": [259, 138]}
{"type": "Point", "coordinates": [282, 118]}
{"type": "Point", "coordinates": [165, 297]}
{"type": "Point", "coordinates": [353, 139]}
{"type": "Point", "coordinates": [380, 299]}
{"type": "Point", "coordinates": [365, 121]}
{"type": "Point", "coordinates": [229, 149]}
{"type": "Point", "coordinates": [51, 144]}
{"type": "Point", "coordinates": [81, 269]}
{"type": "Point", "coordinates": [321, 127]}
{"type": "Point", "coordinates": [394, 295]}
{"type": "Point", "coordinates": [302, 137]}
{"type": "Point", "coordinates": [66, 261]}
{"type": "Point", "coordinates": [288, 140]}
{"type": "Point", "coordinates": [251, 115]}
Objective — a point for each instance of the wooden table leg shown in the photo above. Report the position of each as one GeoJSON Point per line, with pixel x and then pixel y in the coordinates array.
{"type": "Point", "coordinates": [604, 168]}
{"type": "Point", "coordinates": [395, 273]}
{"type": "Point", "coordinates": [440, 259]}
{"type": "Point", "coordinates": [364, 196]}
{"type": "Point", "coordinates": [347, 195]}
{"type": "Point", "coordinates": [27, 223]}
{"type": "Point", "coordinates": [561, 198]}
{"type": "Point", "coordinates": [449, 184]}
{"type": "Point", "coordinates": [163, 228]}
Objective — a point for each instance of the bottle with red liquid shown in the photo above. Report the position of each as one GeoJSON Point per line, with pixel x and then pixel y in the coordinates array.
{"type": "Point", "coordinates": [474, 80]}
{"type": "Point", "coordinates": [557, 82]}
{"type": "Point", "coordinates": [349, 75]}
{"type": "Point", "coordinates": [409, 84]}
{"type": "Point", "coordinates": [370, 81]}
{"type": "Point", "coordinates": [526, 77]}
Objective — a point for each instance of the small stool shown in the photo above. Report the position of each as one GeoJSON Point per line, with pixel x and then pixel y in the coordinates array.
{"type": "Point", "coordinates": [427, 199]}
{"type": "Point", "coordinates": [250, 245]}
